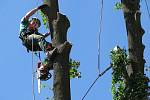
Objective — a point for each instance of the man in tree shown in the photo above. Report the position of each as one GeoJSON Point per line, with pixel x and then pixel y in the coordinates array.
{"type": "Point", "coordinates": [35, 41]}
{"type": "Point", "coordinates": [29, 32]}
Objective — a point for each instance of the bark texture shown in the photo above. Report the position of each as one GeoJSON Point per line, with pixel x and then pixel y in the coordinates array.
{"type": "Point", "coordinates": [59, 24]}
{"type": "Point", "coordinates": [61, 66]}
{"type": "Point", "coordinates": [135, 32]}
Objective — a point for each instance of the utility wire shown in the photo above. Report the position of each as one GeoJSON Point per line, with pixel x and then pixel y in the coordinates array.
{"type": "Point", "coordinates": [99, 45]}
{"type": "Point", "coordinates": [101, 74]}
{"type": "Point", "coordinates": [99, 35]}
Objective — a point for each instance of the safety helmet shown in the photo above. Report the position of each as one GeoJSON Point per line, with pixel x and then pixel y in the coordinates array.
{"type": "Point", "coordinates": [37, 21]}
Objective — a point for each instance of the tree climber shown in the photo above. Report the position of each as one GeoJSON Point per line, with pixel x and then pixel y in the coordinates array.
{"type": "Point", "coordinates": [29, 32]}
{"type": "Point", "coordinates": [32, 39]}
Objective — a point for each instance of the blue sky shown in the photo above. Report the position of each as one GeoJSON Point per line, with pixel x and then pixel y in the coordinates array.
{"type": "Point", "coordinates": [84, 15]}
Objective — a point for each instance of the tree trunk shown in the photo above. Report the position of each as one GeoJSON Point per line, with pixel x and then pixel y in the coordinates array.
{"type": "Point", "coordinates": [61, 66]}
{"type": "Point", "coordinates": [59, 25]}
{"type": "Point", "coordinates": [132, 16]}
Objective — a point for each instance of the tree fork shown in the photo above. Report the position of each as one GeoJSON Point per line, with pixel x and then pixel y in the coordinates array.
{"type": "Point", "coordinates": [59, 24]}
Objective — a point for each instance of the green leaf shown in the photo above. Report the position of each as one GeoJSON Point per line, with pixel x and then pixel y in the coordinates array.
{"type": "Point", "coordinates": [118, 6]}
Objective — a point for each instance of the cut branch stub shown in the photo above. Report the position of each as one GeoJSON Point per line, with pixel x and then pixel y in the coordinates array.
{"type": "Point", "coordinates": [60, 27]}
{"type": "Point", "coordinates": [61, 81]}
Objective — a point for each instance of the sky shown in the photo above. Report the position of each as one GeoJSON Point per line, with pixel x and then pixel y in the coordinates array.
{"type": "Point", "coordinates": [84, 16]}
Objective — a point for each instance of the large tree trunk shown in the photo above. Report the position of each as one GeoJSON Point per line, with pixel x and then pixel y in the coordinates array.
{"type": "Point", "coordinates": [59, 25]}
{"type": "Point", "coordinates": [61, 66]}
{"type": "Point", "coordinates": [135, 32]}
{"type": "Point", "coordinates": [132, 16]}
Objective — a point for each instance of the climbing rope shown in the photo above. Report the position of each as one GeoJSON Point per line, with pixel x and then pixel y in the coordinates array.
{"type": "Point", "coordinates": [33, 72]}
{"type": "Point", "coordinates": [99, 35]}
